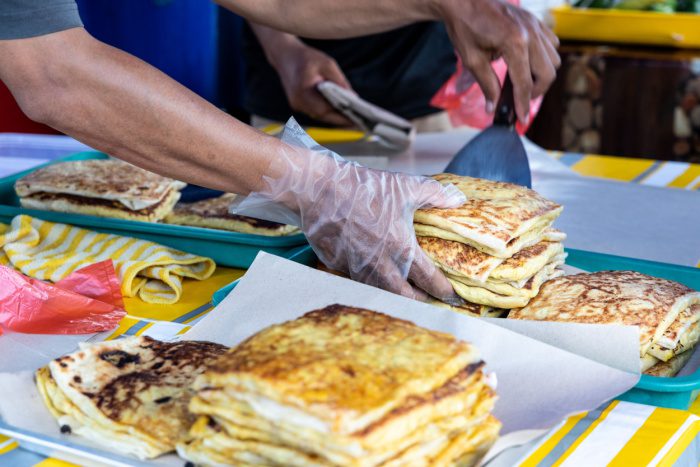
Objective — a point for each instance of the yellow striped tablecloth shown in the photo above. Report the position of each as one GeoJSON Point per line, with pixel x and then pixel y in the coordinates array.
{"type": "Point", "coordinates": [671, 174]}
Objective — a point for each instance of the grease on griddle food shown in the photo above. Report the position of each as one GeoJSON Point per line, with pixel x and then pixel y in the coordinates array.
{"type": "Point", "coordinates": [343, 386]}
{"type": "Point", "coordinates": [130, 395]}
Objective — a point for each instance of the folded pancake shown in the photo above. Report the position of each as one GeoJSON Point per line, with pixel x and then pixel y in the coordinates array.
{"type": "Point", "coordinates": [471, 309]}
{"type": "Point", "coordinates": [460, 259]}
{"type": "Point", "coordinates": [343, 386]}
{"type": "Point", "coordinates": [501, 295]}
{"type": "Point", "coordinates": [214, 214]}
{"type": "Point", "coordinates": [264, 366]}
{"type": "Point", "coordinates": [463, 402]}
{"type": "Point", "coordinates": [528, 290]}
{"type": "Point", "coordinates": [498, 218]}
{"type": "Point", "coordinates": [669, 368]}
{"type": "Point", "coordinates": [612, 297]}
{"type": "Point", "coordinates": [687, 340]}
{"type": "Point", "coordinates": [101, 187]}
{"type": "Point", "coordinates": [130, 395]}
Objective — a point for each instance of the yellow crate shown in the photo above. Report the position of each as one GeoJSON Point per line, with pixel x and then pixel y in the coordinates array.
{"type": "Point", "coordinates": [625, 26]}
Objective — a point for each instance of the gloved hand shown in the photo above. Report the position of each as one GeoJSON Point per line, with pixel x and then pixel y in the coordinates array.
{"type": "Point", "coordinates": [358, 220]}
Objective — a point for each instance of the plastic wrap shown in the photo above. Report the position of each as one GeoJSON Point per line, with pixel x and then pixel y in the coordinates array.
{"type": "Point", "coordinates": [87, 301]}
{"type": "Point", "coordinates": [462, 99]}
{"type": "Point", "coordinates": [358, 220]}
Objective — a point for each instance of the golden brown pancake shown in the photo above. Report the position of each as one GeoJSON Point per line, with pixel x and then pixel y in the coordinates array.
{"type": "Point", "coordinates": [214, 214]}
{"type": "Point", "coordinates": [103, 187]}
{"type": "Point", "coordinates": [612, 297]}
{"type": "Point", "coordinates": [495, 215]}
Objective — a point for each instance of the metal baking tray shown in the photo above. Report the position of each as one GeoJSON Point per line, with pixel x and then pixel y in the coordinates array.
{"type": "Point", "coordinates": [226, 248]}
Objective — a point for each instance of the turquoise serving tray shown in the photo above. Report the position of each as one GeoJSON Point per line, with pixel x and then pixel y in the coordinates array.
{"type": "Point", "coordinates": [225, 248]}
{"type": "Point", "coordinates": [677, 393]}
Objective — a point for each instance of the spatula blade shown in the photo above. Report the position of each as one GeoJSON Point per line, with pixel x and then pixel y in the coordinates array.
{"type": "Point", "coordinates": [497, 153]}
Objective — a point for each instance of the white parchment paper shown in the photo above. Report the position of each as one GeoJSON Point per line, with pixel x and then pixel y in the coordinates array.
{"type": "Point", "coordinates": [545, 371]}
{"type": "Point", "coordinates": [538, 383]}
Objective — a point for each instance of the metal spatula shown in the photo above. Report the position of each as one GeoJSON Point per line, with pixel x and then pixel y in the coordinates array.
{"type": "Point", "coordinates": [497, 153]}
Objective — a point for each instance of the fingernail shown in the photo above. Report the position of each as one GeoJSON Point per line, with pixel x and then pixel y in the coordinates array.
{"type": "Point", "coordinates": [454, 300]}
{"type": "Point", "coordinates": [490, 107]}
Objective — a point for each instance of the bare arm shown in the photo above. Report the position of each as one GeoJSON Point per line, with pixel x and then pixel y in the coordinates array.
{"type": "Point", "coordinates": [481, 31]}
{"type": "Point", "coordinates": [334, 19]}
{"type": "Point", "coordinates": [300, 69]}
{"type": "Point", "coordinates": [114, 102]}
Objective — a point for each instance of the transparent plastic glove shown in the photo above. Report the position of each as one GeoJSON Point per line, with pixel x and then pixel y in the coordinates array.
{"type": "Point", "coordinates": [358, 220]}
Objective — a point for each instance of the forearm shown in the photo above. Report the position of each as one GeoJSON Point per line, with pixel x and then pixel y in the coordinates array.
{"type": "Point", "coordinates": [275, 44]}
{"type": "Point", "coordinates": [116, 103]}
{"type": "Point", "coordinates": [333, 19]}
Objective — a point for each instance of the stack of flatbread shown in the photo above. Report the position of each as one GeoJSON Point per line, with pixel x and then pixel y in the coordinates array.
{"type": "Point", "coordinates": [343, 386]}
{"type": "Point", "coordinates": [214, 214]}
{"type": "Point", "coordinates": [130, 395]}
{"type": "Point", "coordinates": [100, 187]}
{"type": "Point", "coordinates": [667, 313]}
{"type": "Point", "coordinates": [498, 248]}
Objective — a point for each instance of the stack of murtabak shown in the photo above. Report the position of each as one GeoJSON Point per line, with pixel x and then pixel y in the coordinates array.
{"type": "Point", "coordinates": [666, 312]}
{"type": "Point", "coordinates": [343, 386]}
{"type": "Point", "coordinates": [498, 248]}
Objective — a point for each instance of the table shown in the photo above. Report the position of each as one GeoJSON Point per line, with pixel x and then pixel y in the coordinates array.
{"type": "Point", "coordinates": [565, 177]}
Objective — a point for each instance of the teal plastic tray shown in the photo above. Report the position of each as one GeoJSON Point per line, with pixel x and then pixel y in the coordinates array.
{"type": "Point", "coordinates": [226, 248]}
{"type": "Point", "coordinates": [677, 393]}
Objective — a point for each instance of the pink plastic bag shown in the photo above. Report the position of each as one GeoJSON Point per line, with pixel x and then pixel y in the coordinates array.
{"type": "Point", "coordinates": [87, 301]}
{"type": "Point", "coordinates": [468, 107]}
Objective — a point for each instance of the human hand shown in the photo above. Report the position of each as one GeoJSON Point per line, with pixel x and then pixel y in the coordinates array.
{"type": "Point", "coordinates": [301, 68]}
{"type": "Point", "coordinates": [484, 30]}
{"type": "Point", "coordinates": [358, 220]}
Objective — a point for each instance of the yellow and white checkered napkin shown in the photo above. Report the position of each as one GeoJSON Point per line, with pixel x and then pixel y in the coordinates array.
{"type": "Point", "coordinates": [50, 251]}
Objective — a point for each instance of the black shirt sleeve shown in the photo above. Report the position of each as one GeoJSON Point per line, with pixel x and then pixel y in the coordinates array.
{"type": "Point", "coordinates": [29, 18]}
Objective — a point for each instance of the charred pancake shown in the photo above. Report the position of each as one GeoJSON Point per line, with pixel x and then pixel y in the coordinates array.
{"type": "Point", "coordinates": [130, 394]}
{"type": "Point", "coordinates": [214, 214]}
{"type": "Point", "coordinates": [99, 207]}
{"type": "Point", "coordinates": [495, 216]}
{"type": "Point", "coordinates": [612, 297]}
{"type": "Point", "coordinates": [105, 187]}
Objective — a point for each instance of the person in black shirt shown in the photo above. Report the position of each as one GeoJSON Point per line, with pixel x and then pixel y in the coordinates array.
{"type": "Point", "coordinates": [398, 70]}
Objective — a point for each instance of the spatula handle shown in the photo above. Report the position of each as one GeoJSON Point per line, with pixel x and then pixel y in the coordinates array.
{"type": "Point", "coordinates": [505, 110]}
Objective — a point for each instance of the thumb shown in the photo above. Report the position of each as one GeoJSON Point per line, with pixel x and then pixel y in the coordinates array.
{"type": "Point", "coordinates": [436, 195]}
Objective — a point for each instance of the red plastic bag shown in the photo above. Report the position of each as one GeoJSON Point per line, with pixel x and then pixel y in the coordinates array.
{"type": "Point", "coordinates": [466, 104]}
{"type": "Point", "coordinates": [467, 107]}
{"type": "Point", "coordinates": [87, 301]}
